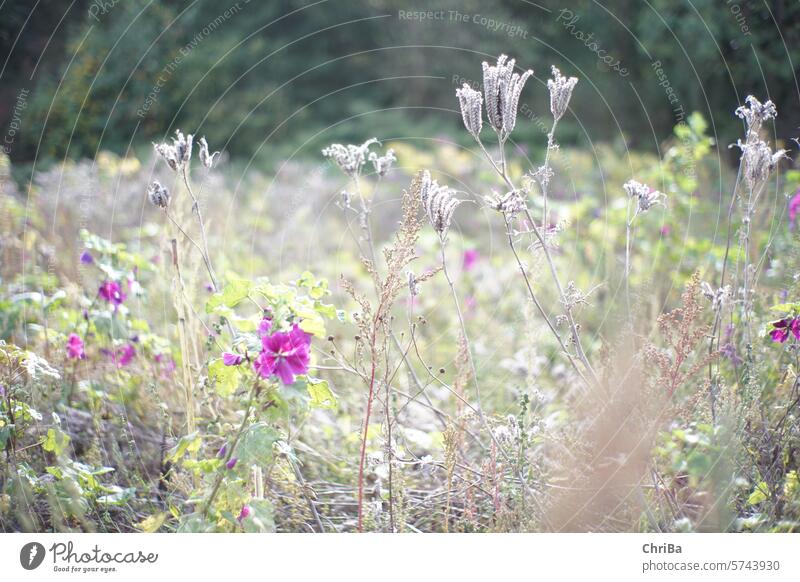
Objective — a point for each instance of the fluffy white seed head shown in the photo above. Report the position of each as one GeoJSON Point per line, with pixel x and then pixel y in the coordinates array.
{"type": "Point", "coordinates": [471, 103]}
{"type": "Point", "coordinates": [178, 153]}
{"type": "Point", "coordinates": [502, 88]}
{"type": "Point", "coordinates": [758, 160]}
{"type": "Point", "coordinates": [755, 113]}
{"type": "Point", "coordinates": [159, 195]}
{"type": "Point", "coordinates": [439, 203]}
{"type": "Point", "coordinates": [350, 158]}
{"type": "Point", "coordinates": [206, 158]}
{"type": "Point", "coordinates": [382, 164]}
{"type": "Point", "coordinates": [560, 93]}
{"type": "Point", "coordinates": [644, 196]}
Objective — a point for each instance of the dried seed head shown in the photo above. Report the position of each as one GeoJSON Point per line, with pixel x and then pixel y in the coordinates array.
{"type": "Point", "coordinates": [349, 158]}
{"type": "Point", "coordinates": [471, 102]}
{"type": "Point", "coordinates": [413, 284]}
{"type": "Point", "coordinates": [178, 154]}
{"type": "Point", "coordinates": [718, 298]}
{"type": "Point", "coordinates": [755, 114]}
{"type": "Point", "coordinates": [205, 158]}
{"type": "Point", "coordinates": [560, 93]}
{"type": "Point", "coordinates": [382, 164]}
{"type": "Point", "coordinates": [439, 203]}
{"type": "Point", "coordinates": [645, 196]}
{"type": "Point", "coordinates": [502, 88]}
{"type": "Point", "coordinates": [159, 195]}
{"type": "Point", "coordinates": [510, 203]}
{"type": "Point", "coordinates": [758, 160]}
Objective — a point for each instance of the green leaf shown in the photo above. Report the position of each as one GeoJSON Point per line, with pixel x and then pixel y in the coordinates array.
{"type": "Point", "coordinates": [321, 394]}
{"type": "Point", "coordinates": [231, 295]}
{"type": "Point", "coordinates": [759, 494]}
{"type": "Point", "coordinates": [56, 441]}
{"type": "Point", "coordinates": [225, 378]}
{"type": "Point", "coordinates": [189, 443]}
{"type": "Point", "coordinates": [255, 445]}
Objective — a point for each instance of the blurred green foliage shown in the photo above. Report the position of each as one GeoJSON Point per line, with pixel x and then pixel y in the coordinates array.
{"type": "Point", "coordinates": [282, 77]}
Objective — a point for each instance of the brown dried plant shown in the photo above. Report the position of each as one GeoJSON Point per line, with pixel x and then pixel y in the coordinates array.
{"type": "Point", "coordinates": [375, 323]}
{"type": "Point", "coordinates": [683, 332]}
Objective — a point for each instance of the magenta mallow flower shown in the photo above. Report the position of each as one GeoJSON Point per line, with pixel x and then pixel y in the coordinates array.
{"type": "Point", "coordinates": [794, 208]}
{"type": "Point", "coordinates": [782, 329]}
{"type": "Point", "coordinates": [123, 355]}
{"type": "Point", "coordinates": [284, 354]}
{"type": "Point", "coordinates": [111, 292]}
{"type": "Point", "coordinates": [243, 514]}
{"type": "Point", "coordinates": [264, 326]}
{"type": "Point", "coordinates": [471, 257]}
{"type": "Point", "coordinates": [230, 359]}
{"type": "Point", "coordinates": [75, 347]}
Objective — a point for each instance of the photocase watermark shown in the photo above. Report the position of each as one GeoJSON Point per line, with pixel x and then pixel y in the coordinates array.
{"type": "Point", "coordinates": [15, 124]}
{"type": "Point", "coordinates": [66, 559]}
{"type": "Point", "coordinates": [31, 555]}
{"type": "Point", "coordinates": [491, 24]}
{"type": "Point", "coordinates": [568, 20]}
{"type": "Point", "coordinates": [100, 8]}
{"type": "Point", "coordinates": [170, 68]}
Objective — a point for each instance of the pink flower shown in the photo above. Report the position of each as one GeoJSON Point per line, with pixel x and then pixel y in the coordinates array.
{"type": "Point", "coordinates": [471, 257]}
{"type": "Point", "coordinates": [284, 355]}
{"type": "Point", "coordinates": [794, 208]}
{"type": "Point", "coordinates": [665, 230]}
{"type": "Point", "coordinates": [783, 328]}
{"type": "Point", "coordinates": [75, 347]}
{"type": "Point", "coordinates": [124, 355]}
{"type": "Point", "coordinates": [243, 514]}
{"type": "Point", "coordinates": [112, 293]}
{"type": "Point", "coordinates": [264, 327]}
{"type": "Point", "coordinates": [230, 359]}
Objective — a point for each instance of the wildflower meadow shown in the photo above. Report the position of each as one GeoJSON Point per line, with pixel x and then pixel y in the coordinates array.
{"type": "Point", "coordinates": [492, 318]}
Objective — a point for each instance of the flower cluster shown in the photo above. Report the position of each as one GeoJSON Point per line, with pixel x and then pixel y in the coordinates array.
{"type": "Point", "coordinates": [782, 329]}
{"type": "Point", "coordinates": [502, 88]}
{"type": "Point", "coordinates": [560, 88]}
{"type": "Point", "coordinates": [350, 158]}
{"type": "Point", "coordinates": [439, 203]}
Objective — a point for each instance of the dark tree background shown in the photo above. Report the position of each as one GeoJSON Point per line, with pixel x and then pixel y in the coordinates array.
{"type": "Point", "coordinates": [279, 77]}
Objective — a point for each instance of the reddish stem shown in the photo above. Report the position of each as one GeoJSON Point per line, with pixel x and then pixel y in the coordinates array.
{"type": "Point", "coordinates": [364, 451]}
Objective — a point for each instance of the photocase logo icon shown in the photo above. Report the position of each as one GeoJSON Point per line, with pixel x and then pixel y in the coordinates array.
{"type": "Point", "coordinates": [31, 555]}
